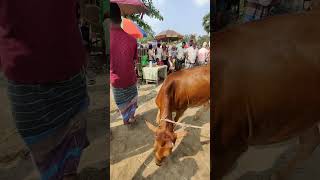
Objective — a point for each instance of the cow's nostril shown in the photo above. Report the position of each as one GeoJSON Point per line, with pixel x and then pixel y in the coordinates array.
{"type": "Point", "coordinates": [158, 163]}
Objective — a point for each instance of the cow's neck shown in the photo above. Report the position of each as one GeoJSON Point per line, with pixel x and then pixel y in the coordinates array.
{"type": "Point", "coordinates": [166, 125]}
{"type": "Point", "coordinates": [166, 114]}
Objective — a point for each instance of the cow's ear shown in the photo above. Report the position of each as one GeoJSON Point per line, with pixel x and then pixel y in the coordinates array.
{"type": "Point", "coordinates": [180, 134]}
{"type": "Point", "coordinates": [151, 127]}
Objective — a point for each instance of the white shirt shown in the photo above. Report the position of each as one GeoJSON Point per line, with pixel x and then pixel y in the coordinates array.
{"type": "Point", "coordinates": [150, 54]}
{"type": "Point", "coordinates": [170, 51]}
{"type": "Point", "coordinates": [180, 53]}
{"type": "Point", "coordinates": [159, 53]}
{"type": "Point", "coordinates": [203, 55]}
{"type": "Point", "coordinates": [192, 54]}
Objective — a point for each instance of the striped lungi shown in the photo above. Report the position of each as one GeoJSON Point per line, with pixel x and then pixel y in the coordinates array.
{"type": "Point", "coordinates": [51, 119]}
{"type": "Point", "coordinates": [126, 100]}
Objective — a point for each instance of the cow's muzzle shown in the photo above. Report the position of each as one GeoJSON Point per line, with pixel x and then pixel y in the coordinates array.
{"type": "Point", "coordinates": [158, 162]}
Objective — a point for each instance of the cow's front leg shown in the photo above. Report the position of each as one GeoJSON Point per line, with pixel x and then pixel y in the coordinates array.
{"type": "Point", "coordinates": [179, 113]}
{"type": "Point", "coordinates": [307, 144]}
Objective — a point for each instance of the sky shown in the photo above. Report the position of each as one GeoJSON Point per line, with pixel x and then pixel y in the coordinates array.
{"type": "Point", "coordinates": [182, 16]}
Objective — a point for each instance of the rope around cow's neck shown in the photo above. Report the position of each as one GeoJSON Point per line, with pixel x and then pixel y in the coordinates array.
{"type": "Point", "coordinates": [181, 124]}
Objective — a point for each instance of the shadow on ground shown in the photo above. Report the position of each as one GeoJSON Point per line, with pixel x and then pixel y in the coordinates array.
{"type": "Point", "coordinates": [305, 170]}
{"type": "Point", "coordinates": [139, 134]}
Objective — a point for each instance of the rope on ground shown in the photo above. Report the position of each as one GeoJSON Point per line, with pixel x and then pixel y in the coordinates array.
{"type": "Point", "coordinates": [182, 124]}
{"type": "Point", "coordinates": [142, 161]}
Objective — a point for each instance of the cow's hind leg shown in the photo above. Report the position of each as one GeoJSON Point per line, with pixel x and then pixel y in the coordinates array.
{"type": "Point", "coordinates": [307, 144]}
{"type": "Point", "coordinates": [230, 136]}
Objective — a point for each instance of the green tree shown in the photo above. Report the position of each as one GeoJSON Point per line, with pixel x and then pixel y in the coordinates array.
{"type": "Point", "coordinates": [188, 37]}
{"type": "Point", "coordinates": [150, 37]}
{"type": "Point", "coordinates": [206, 23]}
{"type": "Point", "coordinates": [152, 13]}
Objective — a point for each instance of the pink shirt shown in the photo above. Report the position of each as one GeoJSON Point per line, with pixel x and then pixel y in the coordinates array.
{"type": "Point", "coordinates": [123, 56]}
{"type": "Point", "coordinates": [203, 55]}
{"type": "Point", "coordinates": [40, 41]}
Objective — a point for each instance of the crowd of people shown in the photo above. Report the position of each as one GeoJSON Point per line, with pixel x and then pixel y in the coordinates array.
{"type": "Point", "coordinates": [179, 57]}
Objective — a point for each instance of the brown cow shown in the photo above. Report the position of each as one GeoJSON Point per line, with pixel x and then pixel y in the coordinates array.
{"type": "Point", "coordinates": [181, 90]}
{"type": "Point", "coordinates": [266, 85]}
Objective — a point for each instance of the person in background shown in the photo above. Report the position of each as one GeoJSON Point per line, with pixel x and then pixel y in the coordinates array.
{"type": "Point", "coordinates": [169, 50]}
{"type": "Point", "coordinates": [197, 50]}
{"type": "Point", "coordinates": [85, 31]}
{"type": "Point", "coordinates": [192, 53]}
{"type": "Point", "coordinates": [307, 5]}
{"type": "Point", "coordinates": [165, 56]}
{"type": "Point", "coordinates": [172, 58]}
{"type": "Point", "coordinates": [203, 54]}
{"type": "Point", "coordinates": [209, 56]}
{"type": "Point", "coordinates": [158, 53]}
{"type": "Point", "coordinates": [45, 69]}
{"type": "Point", "coordinates": [150, 54]}
{"type": "Point", "coordinates": [123, 58]}
{"type": "Point", "coordinates": [258, 9]}
{"type": "Point", "coordinates": [78, 15]}
{"type": "Point", "coordinates": [180, 56]}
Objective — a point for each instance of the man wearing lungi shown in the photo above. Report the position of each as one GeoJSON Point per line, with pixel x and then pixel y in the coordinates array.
{"type": "Point", "coordinates": [44, 61]}
{"type": "Point", "coordinates": [123, 59]}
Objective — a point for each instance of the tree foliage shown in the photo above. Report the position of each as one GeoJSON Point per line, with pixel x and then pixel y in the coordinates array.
{"type": "Point", "coordinates": [188, 37]}
{"type": "Point", "coordinates": [150, 37]}
{"type": "Point", "coordinates": [152, 13]}
{"type": "Point", "coordinates": [206, 22]}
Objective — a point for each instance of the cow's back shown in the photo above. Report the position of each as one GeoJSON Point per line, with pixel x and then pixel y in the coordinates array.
{"type": "Point", "coordinates": [189, 86]}
{"type": "Point", "coordinates": [266, 77]}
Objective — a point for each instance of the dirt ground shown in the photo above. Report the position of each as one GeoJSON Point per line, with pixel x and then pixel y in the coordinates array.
{"type": "Point", "coordinates": [131, 151]}
{"type": "Point", "coordinates": [15, 162]}
{"type": "Point", "coordinates": [259, 163]}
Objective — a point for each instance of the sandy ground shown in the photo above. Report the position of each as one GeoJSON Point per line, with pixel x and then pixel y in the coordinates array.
{"type": "Point", "coordinates": [131, 152]}
{"type": "Point", "coordinates": [258, 163]}
{"type": "Point", "coordinates": [15, 163]}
